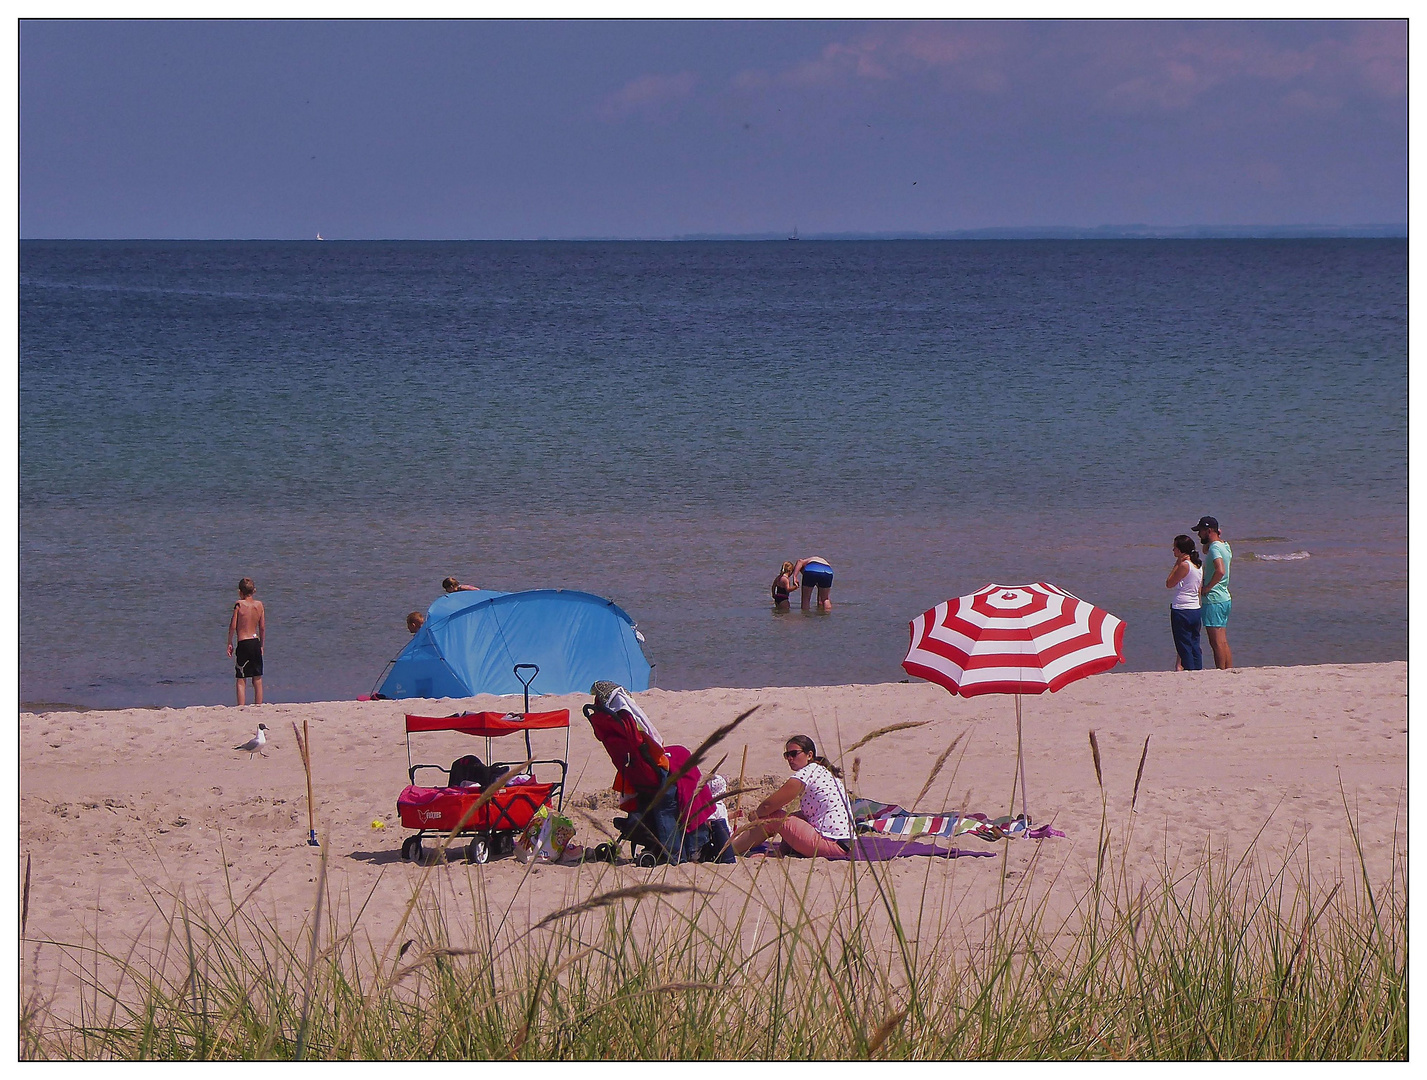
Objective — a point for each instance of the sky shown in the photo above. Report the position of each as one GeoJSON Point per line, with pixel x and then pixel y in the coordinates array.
{"type": "Point", "coordinates": [574, 129]}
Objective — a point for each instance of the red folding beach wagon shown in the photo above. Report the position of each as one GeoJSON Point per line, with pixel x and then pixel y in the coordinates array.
{"type": "Point", "coordinates": [492, 825]}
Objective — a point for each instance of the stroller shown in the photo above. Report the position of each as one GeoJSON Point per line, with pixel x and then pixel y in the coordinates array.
{"type": "Point", "coordinates": [673, 829]}
{"type": "Point", "coordinates": [451, 808]}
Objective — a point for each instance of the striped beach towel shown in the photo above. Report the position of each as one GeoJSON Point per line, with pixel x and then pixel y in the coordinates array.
{"type": "Point", "coordinates": [889, 819]}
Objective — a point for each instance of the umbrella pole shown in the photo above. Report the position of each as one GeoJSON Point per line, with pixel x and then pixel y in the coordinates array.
{"type": "Point", "coordinates": [1016, 768]}
{"type": "Point", "coordinates": [1020, 763]}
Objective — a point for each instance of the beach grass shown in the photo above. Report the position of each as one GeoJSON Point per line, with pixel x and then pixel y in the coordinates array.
{"type": "Point", "coordinates": [1234, 957]}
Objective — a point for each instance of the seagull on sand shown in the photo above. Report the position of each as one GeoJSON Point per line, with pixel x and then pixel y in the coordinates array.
{"type": "Point", "coordinates": [256, 743]}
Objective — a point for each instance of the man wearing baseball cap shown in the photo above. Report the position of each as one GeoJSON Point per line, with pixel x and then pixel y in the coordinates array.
{"type": "Point", "coordinates": [1214, 593]}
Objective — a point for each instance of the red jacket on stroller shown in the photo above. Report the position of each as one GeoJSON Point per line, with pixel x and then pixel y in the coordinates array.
{"type": "Point", "coordinates": [637, 760]}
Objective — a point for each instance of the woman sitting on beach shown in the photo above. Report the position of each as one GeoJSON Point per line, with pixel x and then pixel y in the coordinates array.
{"type": "Point", "coordinates": [822, 824]}
{"type": "Point", "coordinates": [783, 588]}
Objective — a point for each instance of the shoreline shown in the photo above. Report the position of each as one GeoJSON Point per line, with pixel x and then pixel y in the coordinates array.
{"type": "Point", "coordinates": [42, 708]}
{"type": "Point", "coordinates": [326, 643]}
{"type": "Point", "coordinates": [121, 818]}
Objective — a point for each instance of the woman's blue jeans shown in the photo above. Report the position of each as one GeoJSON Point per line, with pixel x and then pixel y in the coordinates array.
{"type": "Point", "coordinates": [1184, 625]}
{"type": "Point", "coordinates": [662, 820]}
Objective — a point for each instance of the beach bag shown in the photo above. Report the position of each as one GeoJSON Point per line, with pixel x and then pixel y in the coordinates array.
{"type": "Point", "coordinates": [546, 838]}
{"type": "Point", "coordinates": [472, 769]}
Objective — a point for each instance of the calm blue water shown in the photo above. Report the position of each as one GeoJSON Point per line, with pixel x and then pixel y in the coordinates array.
{"type": "Point", "coordinates": [665, 423]}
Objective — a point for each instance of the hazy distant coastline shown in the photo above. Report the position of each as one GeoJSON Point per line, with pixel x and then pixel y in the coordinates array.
{"type": "Point", "coordinates": [1100, 232]}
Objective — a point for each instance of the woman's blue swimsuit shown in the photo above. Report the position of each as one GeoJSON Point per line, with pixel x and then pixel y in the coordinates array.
{"type": "Point", "coordinates": [819, 574]}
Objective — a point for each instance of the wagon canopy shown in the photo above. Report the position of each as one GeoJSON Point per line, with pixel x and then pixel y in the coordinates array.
{"type": "Point", "coordinates": [472, 640]}
{"type": "Point", "coordinates": [491, 725]}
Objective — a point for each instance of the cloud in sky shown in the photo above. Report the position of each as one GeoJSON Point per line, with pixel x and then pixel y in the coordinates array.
{"type": "Point", "coordinates": [892, 55]}
{"type": "Point", "coordinates": [648, 97]}
{"type": "Point", "coordinates": [1136, 65]}
{"type": "Point", "coordinates": [649, 128]}
{"type": "Point", "coordinates": [1177, 73]}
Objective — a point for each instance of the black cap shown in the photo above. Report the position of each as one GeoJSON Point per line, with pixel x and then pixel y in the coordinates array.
{"type": "Point", "coordinates": [1207, 522]}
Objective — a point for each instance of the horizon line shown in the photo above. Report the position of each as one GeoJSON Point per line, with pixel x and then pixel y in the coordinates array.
{"type": "Point", "coordinates": [1044, 232]}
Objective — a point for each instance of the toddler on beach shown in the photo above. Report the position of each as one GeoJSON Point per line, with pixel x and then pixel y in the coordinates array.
{"type": "Point", "coordinates": [720, 835]}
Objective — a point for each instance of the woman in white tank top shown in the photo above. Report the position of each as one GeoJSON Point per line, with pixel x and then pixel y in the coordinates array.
{"type": "Point", "coordinates": [1184, 579]}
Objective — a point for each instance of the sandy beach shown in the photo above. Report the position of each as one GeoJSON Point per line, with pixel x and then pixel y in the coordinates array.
{"type": "Point", "coordinates": [122, 812]}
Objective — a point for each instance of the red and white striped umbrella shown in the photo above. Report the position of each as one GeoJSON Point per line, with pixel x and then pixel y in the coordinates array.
{"type": "Point", "coordinates": [1013, 639]}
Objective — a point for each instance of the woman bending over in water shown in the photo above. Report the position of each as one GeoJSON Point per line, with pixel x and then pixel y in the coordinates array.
{"type": "Point", "coordinates": [815, 572]}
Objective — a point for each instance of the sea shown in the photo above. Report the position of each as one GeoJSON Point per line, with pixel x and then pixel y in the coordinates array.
{"type": "Point", "coordinates": [664, 423]}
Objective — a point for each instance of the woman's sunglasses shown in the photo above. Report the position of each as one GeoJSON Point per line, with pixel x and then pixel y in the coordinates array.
{"type": "Point", "coordinates": [791, 754]}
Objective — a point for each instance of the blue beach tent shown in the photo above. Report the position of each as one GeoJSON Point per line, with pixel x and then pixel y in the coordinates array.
{"type": "Point", "coordinates": [471, 641]}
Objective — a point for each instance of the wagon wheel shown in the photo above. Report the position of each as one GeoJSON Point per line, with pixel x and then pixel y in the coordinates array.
{"type": "Point", "coordinates": [647, 858]}
{"type": "Point", "coordinates": [478, 850]}
{"type": "Point", "coordinates": [604, 853]}
{"type": "Point", "coordinates": [411, 849]}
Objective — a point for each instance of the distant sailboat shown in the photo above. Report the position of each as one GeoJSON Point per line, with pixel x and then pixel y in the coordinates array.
{"type": "Point", "coordinates": [319, 236]}
{"type": "Point", "coordinates": [795, 233]}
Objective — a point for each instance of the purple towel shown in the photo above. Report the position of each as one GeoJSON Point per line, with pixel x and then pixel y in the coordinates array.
{"type": "Point", "coordinates": [883, 848]}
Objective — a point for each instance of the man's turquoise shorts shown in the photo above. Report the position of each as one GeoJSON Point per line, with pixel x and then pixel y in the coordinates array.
{"type": "Point", "coordinates": [1216, 612]}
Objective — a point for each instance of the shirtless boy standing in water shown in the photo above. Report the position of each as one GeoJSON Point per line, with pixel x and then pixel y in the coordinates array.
{"type": "Point", "coordinates": [249, 626]}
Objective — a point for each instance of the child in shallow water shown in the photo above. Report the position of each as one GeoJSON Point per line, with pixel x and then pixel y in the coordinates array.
{"type": "Point", "coordinates": [783, 588]}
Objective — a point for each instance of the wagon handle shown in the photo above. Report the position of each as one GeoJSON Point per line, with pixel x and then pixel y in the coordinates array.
{"type": "Point", "coordinates": [526, 682]}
